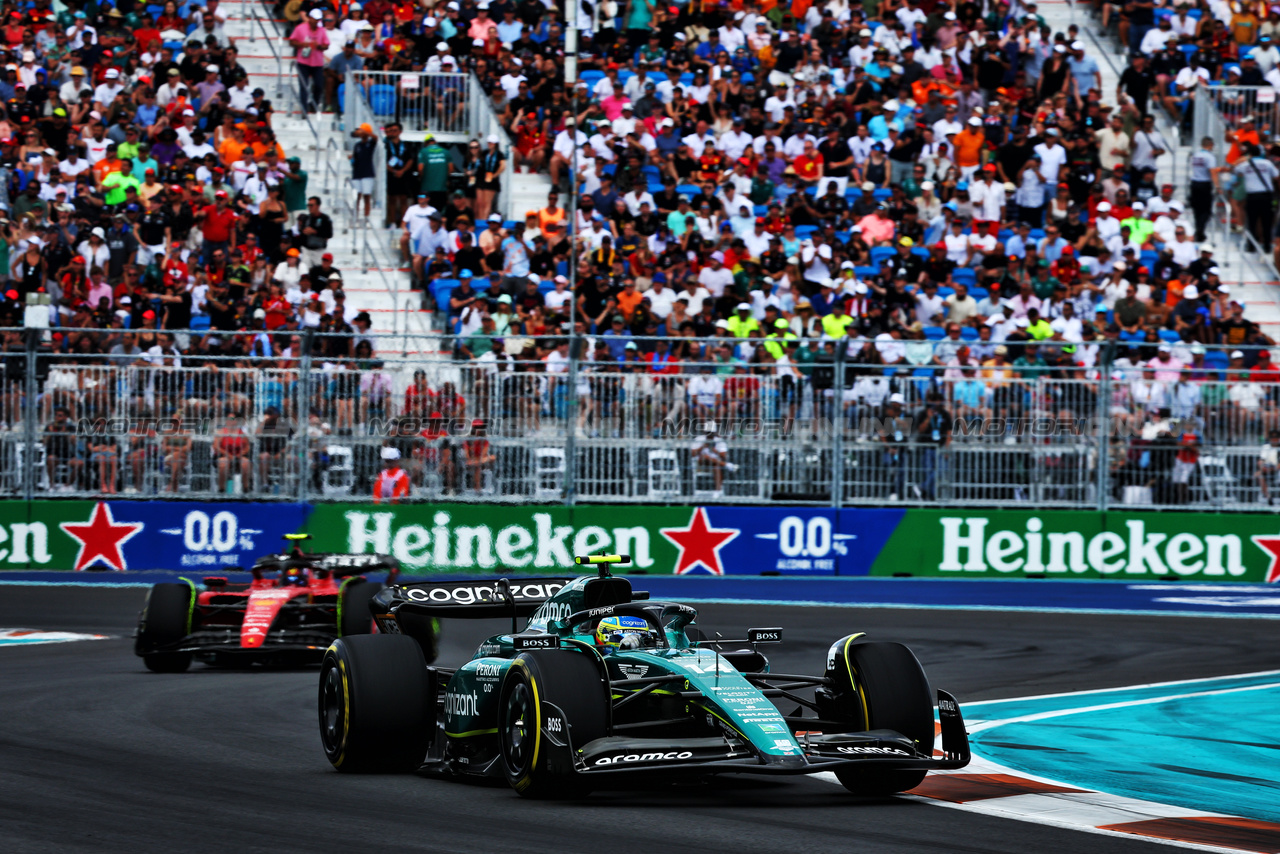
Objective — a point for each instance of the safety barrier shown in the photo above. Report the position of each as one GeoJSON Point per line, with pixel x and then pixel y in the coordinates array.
{"type": "Point", "coordinates": [302, 417]}
{"type": "Point", "coordinates": [754, 540]}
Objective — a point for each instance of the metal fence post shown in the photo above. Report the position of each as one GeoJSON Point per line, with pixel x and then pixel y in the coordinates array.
{"type": "Point", "coordinates": [1106, 357]}
{"type": "Point", "coordinates": [836, 425]}
{"type": "Point", "coordinates": [304, 410]}
{"type": "Point", "coordinates": [570, 416]}
{"type": "Point", "coordinates": [348, 104]}
{"type": "Point", "coordinates": [29, 416]}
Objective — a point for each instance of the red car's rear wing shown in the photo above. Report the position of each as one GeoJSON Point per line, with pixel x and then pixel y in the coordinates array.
{"type": "Point", "coordinates": [340, 565]}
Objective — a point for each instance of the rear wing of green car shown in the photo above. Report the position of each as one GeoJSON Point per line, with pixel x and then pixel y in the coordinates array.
{"type": "Point", "coordinates": [473, 599]}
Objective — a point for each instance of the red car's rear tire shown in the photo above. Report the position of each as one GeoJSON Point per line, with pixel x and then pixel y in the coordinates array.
{"type": "Point", "coordinates": [165, 619]}
{"type": "Point", "coordinates": [356, 617]}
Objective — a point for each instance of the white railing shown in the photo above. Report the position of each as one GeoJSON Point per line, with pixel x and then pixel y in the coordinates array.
{"type": "Point", "coordinates": [442, 103]}
{"type": "Point", "coordinates": [94, 424]}
{"type": "Point", "coordinates": [269, 38]}
{"type": "Point", "coordinates": [452, 107]}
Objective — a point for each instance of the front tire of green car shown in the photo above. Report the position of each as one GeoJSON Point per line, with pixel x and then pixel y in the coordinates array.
{"type": "Point", "coordinates": [558, 690]}
{"type": "Point", "coordinates": [881, 685]}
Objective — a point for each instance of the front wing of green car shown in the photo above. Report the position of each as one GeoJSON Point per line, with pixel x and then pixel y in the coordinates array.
{"type": "Point", "coordinates": [809, 753]}
{"type": "Point", "coordinates": [755, 737]}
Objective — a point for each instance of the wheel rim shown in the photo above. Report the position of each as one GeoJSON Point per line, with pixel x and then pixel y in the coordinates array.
{"type": "Point", "coordinates": [332, 716]}
{"type": "Point", "coordinates": [517, 741]}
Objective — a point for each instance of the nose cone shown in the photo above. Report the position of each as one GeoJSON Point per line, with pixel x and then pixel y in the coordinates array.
{"type": "Point", "coordinates": [786, 761]}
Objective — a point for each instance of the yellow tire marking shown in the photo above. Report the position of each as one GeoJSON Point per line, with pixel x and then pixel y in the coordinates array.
{"type": "Point", "coordinates": [346, 713]}
{"type": "Point", "coordinates": [537, 717]}
{"type": "Point", "coordinates": [853, 678]}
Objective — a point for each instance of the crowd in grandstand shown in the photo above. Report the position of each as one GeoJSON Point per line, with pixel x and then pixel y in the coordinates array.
{"type": "Point", "coordinates": [144, 189]}
{"type": "Point", "coordinates": [758, 172]}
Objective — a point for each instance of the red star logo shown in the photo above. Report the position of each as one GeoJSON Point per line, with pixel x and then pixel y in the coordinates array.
{"type": "Point", "coordinates": [1270, 545]}
{"type": "Point", "coordinates": [101, 538]}
{"type": "Point", "coordinates": [699, 543]}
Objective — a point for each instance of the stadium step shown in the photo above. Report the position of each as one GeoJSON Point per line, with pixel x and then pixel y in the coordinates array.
{"type": "Point", "coordinates": [383, 288]}
{"type": "Point", "coordinates": [1250, 284]}
{"type": "Point", "coordinates": [529, 192]}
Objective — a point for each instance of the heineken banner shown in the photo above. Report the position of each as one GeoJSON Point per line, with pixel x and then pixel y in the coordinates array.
{"type": "Point", "coordinates": [459, 539]}
{"type": "Point", "coordinates": [120, 535]}
{"type": "Point", "coordinates": [1080, 544]}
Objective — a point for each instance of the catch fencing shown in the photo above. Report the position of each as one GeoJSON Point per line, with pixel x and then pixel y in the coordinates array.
{"type": "Point", "coordinates": [311, 422]}
{"type": "Point", "coordinates": [453, 107]}
{"type": "Point", "coordinates": [1219, 110]}
{"type": "Point", "coordinates": [443, 103]}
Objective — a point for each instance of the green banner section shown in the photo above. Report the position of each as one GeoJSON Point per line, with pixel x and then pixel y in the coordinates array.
{"type": "Point", "coordinates": [478, 538]}
{"type": "Point", "coordinates": [33, 536]}
{"type": "Point", "coordinates": [1076, 544]}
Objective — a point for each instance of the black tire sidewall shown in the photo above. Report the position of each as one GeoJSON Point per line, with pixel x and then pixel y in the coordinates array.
{"type": "Point", "coordinates": [388, 710]}
{"type": "Point", "coordinates": [166, 616]}
{"type": "Point", "coordinates": [571, 682]}
{"type": "Point", "coordinates": [357, 619]}
{"type": "Point", "coordinates": [165, 619]}
{"type": "Point", "coordinates": [895, 690]}
{"type": "Point", "coordinates": [883, 686]}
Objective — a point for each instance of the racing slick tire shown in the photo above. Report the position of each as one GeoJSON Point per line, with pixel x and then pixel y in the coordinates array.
{"type": "Point", "coordinates": [165, 619]}
{"type": "Point", "coordinates": [574, 683]}
{"type": "Point", "coordinates": [883, 686]}
{"type": "Point", "coordinates": [377, 706]}
{"type": "Point", "coordinates": [353, 605]}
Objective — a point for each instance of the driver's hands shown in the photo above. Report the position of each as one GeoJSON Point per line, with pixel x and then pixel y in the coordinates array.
{"type": "Point", "coordinates": [629, 641]}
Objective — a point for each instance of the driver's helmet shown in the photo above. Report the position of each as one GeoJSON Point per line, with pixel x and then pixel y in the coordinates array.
{"type": "Point", "coordinates": [294, 578]}
{"type": "Point", "coordinates": [625, 633]}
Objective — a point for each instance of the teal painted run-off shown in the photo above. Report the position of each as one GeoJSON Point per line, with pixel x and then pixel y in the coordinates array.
{"type": "Point", "coordinates": [1208, 745]}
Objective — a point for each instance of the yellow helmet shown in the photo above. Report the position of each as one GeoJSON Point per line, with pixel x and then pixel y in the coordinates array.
{"type": "Point", "coordinates": [624, 632]}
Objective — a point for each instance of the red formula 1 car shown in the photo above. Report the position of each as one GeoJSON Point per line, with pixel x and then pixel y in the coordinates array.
{"type": "Point", "coordinates": [295, 606]}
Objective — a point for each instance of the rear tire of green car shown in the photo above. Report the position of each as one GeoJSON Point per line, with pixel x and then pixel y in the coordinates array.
{"type": "Point", "coordinates": [884, 687]}
{"type": "Point", "coordinates": [567, 679]}
{"type": "Point", "coordinates": [377, 708]}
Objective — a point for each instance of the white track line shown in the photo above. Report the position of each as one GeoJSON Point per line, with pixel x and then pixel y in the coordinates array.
{"type": "Point", "coordinates": [1199, 681]}
{"type": "Point", "coordinates": [1146, 701]}
{"type": "Point", "coordinates": [1086, 810]}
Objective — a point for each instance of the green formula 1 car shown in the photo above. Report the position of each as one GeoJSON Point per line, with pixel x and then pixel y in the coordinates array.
{"type": "Point", "coordinates": [603, 683]}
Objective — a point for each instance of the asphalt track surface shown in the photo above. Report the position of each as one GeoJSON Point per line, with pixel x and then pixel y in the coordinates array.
{"type": "Point", "coordinates": [98, 755]}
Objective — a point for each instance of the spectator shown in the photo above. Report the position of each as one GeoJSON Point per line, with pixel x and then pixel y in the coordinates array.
{"type": "Point", "coordinates": [477, 455]}
{"type": "Point", "coordinates": [310, 40]}
{"type": "Point", "coordinates": [710, 453]}
{"type": "Point", "coordinates": [231, 454]}
{"type": "Point", "coordinates": [392, 483]}
{"type": "Point", "coordinates": [1268, 465]}
{"type": "Point", "coordinates": [362, 167]}
{"type": "Point", "coordinates": [315, 230]}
